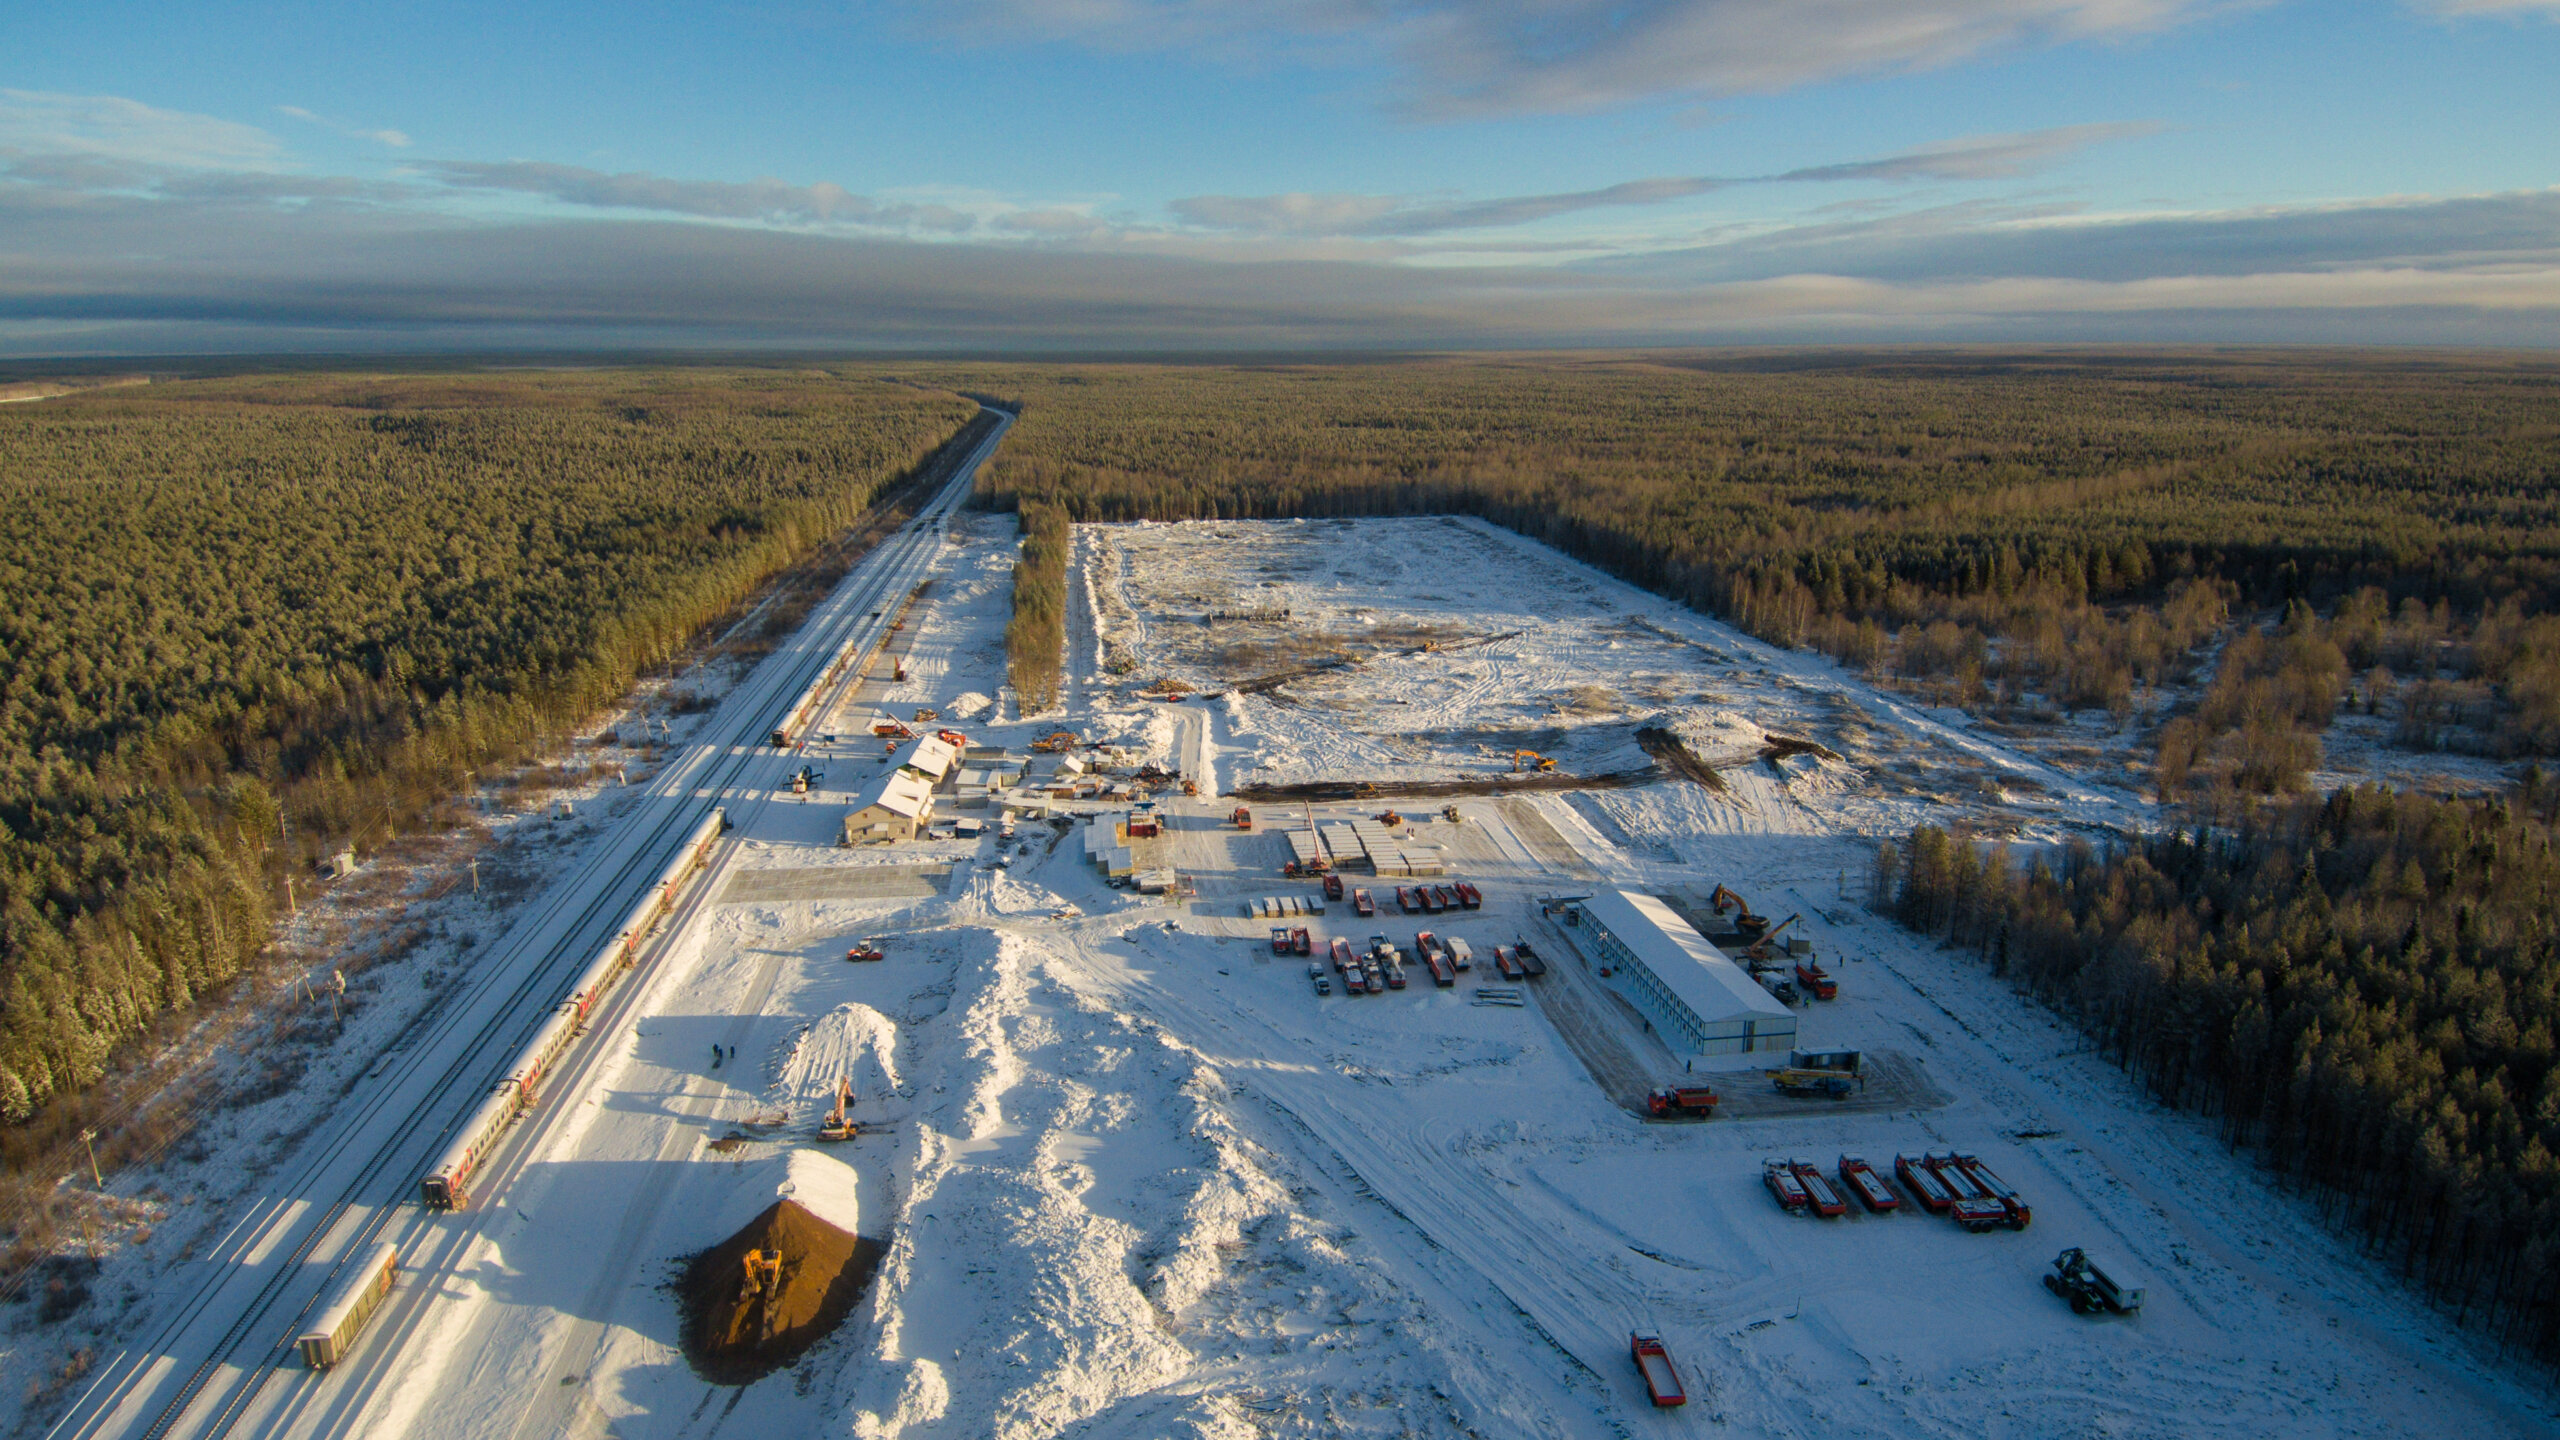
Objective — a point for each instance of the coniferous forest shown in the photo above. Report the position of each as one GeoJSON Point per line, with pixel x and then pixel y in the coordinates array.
{"type": "Point", "coordinates": [245, 621]}
{"type": "Point", "coordinates": [2364, 988]}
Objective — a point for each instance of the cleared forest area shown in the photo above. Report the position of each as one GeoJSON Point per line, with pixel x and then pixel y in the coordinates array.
{"type": "Point", "coordinates": [245, 621]}
{"type": "Point", "coordinates": [2024, 536]}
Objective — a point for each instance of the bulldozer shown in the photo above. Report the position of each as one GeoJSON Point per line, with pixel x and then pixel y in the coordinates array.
{"type": "Point", "coordinates": [839, 1125]}
{"type": "Point", "coordinates": [1531, 760]}
{"type": "Point", "coordinates": [1390, 819]}
{"type": "Point", "coordinates": [1190, 787]}
{"type": "Point", "coordinates": [1450, 814]}
{"type": "Point", "coordinates": [926, 714]}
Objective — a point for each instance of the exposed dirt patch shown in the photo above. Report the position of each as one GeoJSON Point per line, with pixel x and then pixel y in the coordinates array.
{"type": "Point", "coordinates": [732, 1337]}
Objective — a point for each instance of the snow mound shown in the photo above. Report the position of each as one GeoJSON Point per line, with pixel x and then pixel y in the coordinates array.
{"type": "Point", "coordinates": [816, 1182]}
{"type": "Point", "coordinates": [1717, 737]}
{"type": "Point", "coordinates": [969, 706]}
{"type": "Point", "coordinates": [853, 1040]}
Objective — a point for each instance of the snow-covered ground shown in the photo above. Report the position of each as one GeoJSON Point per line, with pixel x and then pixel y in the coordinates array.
{"type": "Point", "coordinates": [1123, 1173]}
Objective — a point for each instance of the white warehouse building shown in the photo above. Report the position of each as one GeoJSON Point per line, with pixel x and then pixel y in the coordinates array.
{"type": "Point", "coordinates": [1700, 1003]}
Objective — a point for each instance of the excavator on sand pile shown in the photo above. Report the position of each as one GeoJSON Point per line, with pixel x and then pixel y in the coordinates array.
{"type": "Point", "coordinates": [761, 1288]}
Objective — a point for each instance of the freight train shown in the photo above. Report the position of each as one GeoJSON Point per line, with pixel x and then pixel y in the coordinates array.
{"type": "Point", "coordinates": [447, 1184]}
{"type": "Point", "coordinates": [340, 1321]}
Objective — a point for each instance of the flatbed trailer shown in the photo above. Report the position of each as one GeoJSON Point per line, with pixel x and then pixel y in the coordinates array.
{"type": "Point", "coordinates": [1469, 896]}
{"type": "Point", "coordinates": [1661, 1377]}
{"type": "Point", "coordinates": [1818, 1191]}
{"type": "Point", "coordinates": [1958, 1180]}
{"type": "Point", "coordinates": [1873, 1191]}
{"type": "Point", "coordinates": [1529, 959]}
{"type": "Point", "coordinates": [1997, 1188]}
{"type": "Point", "coordinates": [1931, 1191]}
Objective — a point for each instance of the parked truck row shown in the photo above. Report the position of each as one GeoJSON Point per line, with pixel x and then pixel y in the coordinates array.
{"type": "Point", "coordinates": [1943, 1182]}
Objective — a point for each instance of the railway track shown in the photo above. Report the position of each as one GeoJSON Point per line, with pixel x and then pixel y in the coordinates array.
{"type": "Point", "coordinates": [179, 1383]}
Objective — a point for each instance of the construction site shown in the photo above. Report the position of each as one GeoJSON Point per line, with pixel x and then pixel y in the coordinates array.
{"type": "Point", "coordinates": [1409, 984]}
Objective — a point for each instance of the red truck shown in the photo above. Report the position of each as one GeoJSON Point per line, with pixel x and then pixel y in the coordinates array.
{"type": "Point", "coordinates": [1281, 941]}
{"type": "Point", "coordinates": [1507, 960]}
{"type": "Point", "coordinates": [1342, 957]}
{"type": "Point", "coordinates": [1782, 1182]}
{"type": "Point", "coordinates": [1682, 1100]}
{"type": "Point", "coordinates": [1363, 903]}
{"type": "Point", "coordinates": [1332, 886]}
{"type": "Point", "coordinates": [1404, 899]}
{"type": "Point", "coordinates": [1816, 981]}
{"type": "Point", "coordinates": [1661, 1378]}
{"type": "Point", "coordinates": [1873, 1191]}
{"type": "Point", "coordinates": [1300, 941]}
{"type": "Point", "coordinates": [1469, 896]}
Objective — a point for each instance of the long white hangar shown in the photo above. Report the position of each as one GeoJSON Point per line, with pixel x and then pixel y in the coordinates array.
{"type": "Point", "coordinates": [1700, 1003]}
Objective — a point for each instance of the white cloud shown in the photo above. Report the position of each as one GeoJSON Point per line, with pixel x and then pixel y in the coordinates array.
{"type": "Point", "coordinates": [396, 139]}
{"type": "Point", "coordinates": [127, 132]}
{"type": "Point", "coordinates": [1479, 57]}
{"type": "Point", "coordinates": [1976, 157]}
{"type": "Point", "coordinates": [2492, 7]}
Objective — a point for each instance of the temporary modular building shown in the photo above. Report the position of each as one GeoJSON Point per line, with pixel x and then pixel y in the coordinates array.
{"type": "Point", "coordinates": [1700, 1003]}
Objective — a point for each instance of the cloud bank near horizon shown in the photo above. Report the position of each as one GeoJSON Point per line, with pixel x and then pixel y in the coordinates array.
{"type": "Point", "coordinates": [130, 229]}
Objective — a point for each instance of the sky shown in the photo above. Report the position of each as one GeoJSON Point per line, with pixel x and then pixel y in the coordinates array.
{"type": "Point", "coordinates": [1113, 176]}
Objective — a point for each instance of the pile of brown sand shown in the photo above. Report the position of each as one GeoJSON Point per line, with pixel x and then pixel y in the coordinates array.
{"type": "Point", "coordinates": [732, 1338]}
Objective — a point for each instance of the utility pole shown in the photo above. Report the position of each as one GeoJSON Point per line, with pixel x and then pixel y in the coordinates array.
{"type": "Point", "coordinates": [88, 1141]}
{"type": "Point", "coordinates": [475, 874]}
{"type": "Point", "coordinates": [289, 903]}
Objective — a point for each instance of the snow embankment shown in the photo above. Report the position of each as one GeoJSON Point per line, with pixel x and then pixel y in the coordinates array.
{"type": "Point", "coordinates": [1073, 1179]}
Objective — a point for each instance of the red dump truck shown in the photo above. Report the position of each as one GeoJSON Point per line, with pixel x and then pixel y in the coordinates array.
{"type": "Point", "coordinates": [1469, 896]}
{"type": "Point", "coordinates": [1507, 960]}
{"type": "Point", "coordinates": [1300, 941]}
{"type": "Point", "coordinates": [1682, 1100]}
{"type": "Point", "coordinates": [1816, 981]}
{"type": "Point", "coordinates": [1342, 957]}
{"type": "Point", "coordinates": [1661, 1378]}
{"type": "Point", "coordinates": [1363, 903]}
{"type": "Point", "coordinates": [1332, 886]}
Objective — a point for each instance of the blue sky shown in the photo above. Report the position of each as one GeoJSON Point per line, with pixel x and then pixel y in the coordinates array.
{"type": "Point", "coordinates": [1049, 175]}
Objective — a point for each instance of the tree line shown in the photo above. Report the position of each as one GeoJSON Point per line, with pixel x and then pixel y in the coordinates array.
{"type": "Point", "coordinates": [2363, 988]}
{"type": "Point", "coordinates": [1035, 639]}
{"type": "Point", "coordinates": [243, 622]}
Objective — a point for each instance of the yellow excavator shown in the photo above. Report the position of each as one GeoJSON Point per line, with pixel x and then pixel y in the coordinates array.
{"type": "Point", "coordinates": [839, 1125]}
{"type": "Point", "coordinates": [1531, 760]}
{"type": "Point", "coordinates": [1056, 741]}
{"type": "Point", "coordinates": [762, 1288]}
